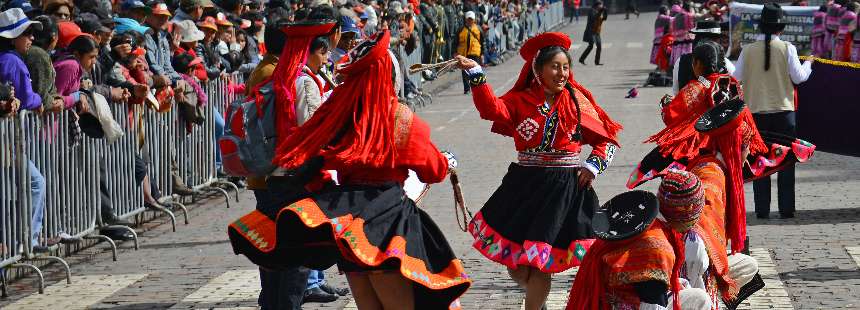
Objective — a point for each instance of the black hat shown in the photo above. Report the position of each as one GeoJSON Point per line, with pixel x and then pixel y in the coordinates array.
{"type": "Point", "coordinates": [89, 23]}
{"type": "Point", "coordinates": [772, 14]}
{"type": "Point", "coordinates": [707, 27]}
{"type": "Point", "coordinates": [625, 216]}
{"type": "Point", "coordinates": [721, 116]}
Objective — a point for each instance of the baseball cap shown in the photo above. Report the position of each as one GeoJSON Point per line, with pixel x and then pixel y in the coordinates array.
{"type": "Point", "coordinates": [470, 14]}
{"type": "Point", "coordinates": [135, 4]}
{"type": "Point", "coordinates": [208, 23]}
{"type": "Point", "coordinates": [159, 8]}
{"type": "Point", "coordinates": [221, 20]}
{"type": "Point", "coordinates": [68, 32]}
{"type": "Point", "coordinates": [24, 5]}
{"type": "Point", "coordinates": [348, 25]}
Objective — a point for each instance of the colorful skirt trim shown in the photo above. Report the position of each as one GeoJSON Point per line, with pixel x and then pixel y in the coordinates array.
{"type": "Point", "coordinates": [538, 217]}
{"type": "Point", "coordinates": [530, 253]}
{"type": "Point", "coordinates": [366, 226]}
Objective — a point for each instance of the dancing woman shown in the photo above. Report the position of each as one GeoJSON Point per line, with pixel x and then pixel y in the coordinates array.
{"type": "Point", "coordinates": [393, 254]}
{"type": "Point", "coordinates": [538, 222]}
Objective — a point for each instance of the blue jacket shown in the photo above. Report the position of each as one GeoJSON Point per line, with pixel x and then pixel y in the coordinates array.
{"type": "Point", "coordinates": [14, 71]}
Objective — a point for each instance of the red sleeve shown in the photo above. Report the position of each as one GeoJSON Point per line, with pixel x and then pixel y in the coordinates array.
{"type": "Point", "coordinates": [490, 107]}
{"type": "Point", "coordinates": [421, 155]}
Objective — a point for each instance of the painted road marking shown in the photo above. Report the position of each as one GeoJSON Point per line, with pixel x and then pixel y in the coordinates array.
{"type": "Point", "coordinates": [230, 287]}
{"type": "Point", "coordinates": [84, 292]}
{"type": "Point", "coordinates": [854, 252]}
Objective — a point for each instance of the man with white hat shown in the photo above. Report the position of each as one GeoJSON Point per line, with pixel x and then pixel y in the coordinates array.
{"type": "Point", "coordinates": [469, 45]}
{"type": "Point", "coordinates": [707, 30]}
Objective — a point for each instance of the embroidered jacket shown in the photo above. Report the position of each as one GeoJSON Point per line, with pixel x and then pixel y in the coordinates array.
{"type": "Point", "coordinates": [536, 126]}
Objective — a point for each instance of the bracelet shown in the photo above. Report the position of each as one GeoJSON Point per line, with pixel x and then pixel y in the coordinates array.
{"type": "Point", "coordinates": [477, 79]}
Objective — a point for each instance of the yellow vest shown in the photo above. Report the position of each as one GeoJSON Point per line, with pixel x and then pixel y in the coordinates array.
{"type": "Point", "coordinates": [470, 41]}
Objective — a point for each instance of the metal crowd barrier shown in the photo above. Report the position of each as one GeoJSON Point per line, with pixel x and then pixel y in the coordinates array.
{"type": "Point", "coordinates": [118, 161]}
{"type": "Point", "coordinates": [15, 243]}
{"type": "Point", "coordinates": [72, 174]}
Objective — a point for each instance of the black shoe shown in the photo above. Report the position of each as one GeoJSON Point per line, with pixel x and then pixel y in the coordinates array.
{"type": "Point", "coordinates": [317, 295]}
{"type": "Point", "coordinates": [40, 249]}
{"type": "Point", "coordinates": [117, 234]}
{"type": "Point", "coordinates": [466, 92]}
{"type": "Point", "coordinates": [598, 64]}
{"type": "Point", "coordinates": [114, 220]}
{"type": "Point", "coordinates": [762, 216]}
{"type": "Point", "coordinates": [239, 182]}
{"type": "Point", "coordinates": [786, 215]}
{"type": "Point", "coordinates": [334, 290]}
{"type": "Point", "coordinates": [582, 62]}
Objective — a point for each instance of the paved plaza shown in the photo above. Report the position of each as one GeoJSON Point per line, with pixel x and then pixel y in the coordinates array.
{"type": "Point", "coordinates": [809, 262]}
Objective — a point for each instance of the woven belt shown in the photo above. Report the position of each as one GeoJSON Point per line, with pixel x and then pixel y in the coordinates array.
{"type": "Point", "coordinates": [535, 159]}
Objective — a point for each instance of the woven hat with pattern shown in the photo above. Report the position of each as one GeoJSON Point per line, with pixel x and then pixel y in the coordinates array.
{"type": "Point", "coordinates": [681, 198]}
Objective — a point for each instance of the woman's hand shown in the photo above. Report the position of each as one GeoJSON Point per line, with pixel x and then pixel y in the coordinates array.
{"type": "Point", "coordinates": [465, 63]}
{"type": "Point", "coordinates": [585, 178]}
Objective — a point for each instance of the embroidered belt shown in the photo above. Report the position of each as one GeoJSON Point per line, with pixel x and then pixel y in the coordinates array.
{"type": "Point", "coordinates": [539, 159]}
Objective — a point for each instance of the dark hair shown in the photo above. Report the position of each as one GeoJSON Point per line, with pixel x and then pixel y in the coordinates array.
{"type": "Point", "coordinates": [711, 55]}
{"type": "Point", "coordinates": [822, 8]}
{"type": "Point", "coordinates": [318, 43]}
{"type": "Point", "coordinates": [853, 6]}
{"type": "Point", "coordinates": [42, 38]}
{"type": "Point", "coordinates": [547, 53]}
{"type": "Point", "coordinates": [769, 30]}
{"type": "Point", "coordinates": [324, 12]}
{"type": "Point", "coordinates": [181, 63]}
{"type": "Point", "coordinates": [302, 14]}
{"type": "Point", "coordinates": [664, 10]}
{"type": "Point", "coordinates": [231, 5]}
{"type": "Point", "coordinates": [274, 38]}
{"type": "Point", "coordinates": [82, 44]}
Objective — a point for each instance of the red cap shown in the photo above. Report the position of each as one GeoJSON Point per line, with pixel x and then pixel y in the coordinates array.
{"type": "Point", "coordinates": [221, 20]}
{"type": "Point", "coordinates": [208, 23]}
{"type": "Point", "coordinates": [161, 9]}
{"type": "Point", "coordinates": [531, 48]}
{"type": "Point", "coordinates": [68, 32]}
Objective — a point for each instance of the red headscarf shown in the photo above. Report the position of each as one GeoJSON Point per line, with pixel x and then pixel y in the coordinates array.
{"type": "Point", "coordinates": [292, 60]}
{"type": "Point", "coordinates": [603, 125]}
{"type": "Point", "coordinates": [356, 124]}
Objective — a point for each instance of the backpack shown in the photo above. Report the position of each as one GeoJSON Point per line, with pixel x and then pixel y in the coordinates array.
{"type": "Point", "coordinates": [250, 136]}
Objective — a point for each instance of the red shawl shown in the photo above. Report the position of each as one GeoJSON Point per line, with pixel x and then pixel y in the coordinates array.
{"type": "Point", "coordinates": [664, 52]}
{"type": "Point", "coordinates": [602, 124]}
{"type": "Point", "coordinates": [610, 265]}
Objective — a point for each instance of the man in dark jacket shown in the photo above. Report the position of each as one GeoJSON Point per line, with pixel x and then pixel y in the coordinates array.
{"type": "Point", "coordinates": [428, 35]}
{"type": "Point", "coordinates": [455, 23]}
{"type": "Point", "coordinates": [592, 32]}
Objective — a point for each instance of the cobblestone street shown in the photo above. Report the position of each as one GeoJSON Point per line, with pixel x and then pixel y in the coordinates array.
{"type": "Point", "coordinates": [809, 262]}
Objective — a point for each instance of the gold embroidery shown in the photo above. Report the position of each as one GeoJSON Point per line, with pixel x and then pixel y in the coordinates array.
{"type": "Point", "coordinates": [586, 105]}
{"type": "Point", "coordinates": [402, 125]}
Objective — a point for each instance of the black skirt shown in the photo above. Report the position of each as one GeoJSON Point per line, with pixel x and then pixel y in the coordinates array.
{"type": "Point", "coordinates": [538, 217]}
{"type": "Point", "coordinates": [367, 228]}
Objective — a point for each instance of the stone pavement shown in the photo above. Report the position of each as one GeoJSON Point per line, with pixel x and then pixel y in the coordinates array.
{"type": "Point", "coordinates": [810, 262]}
